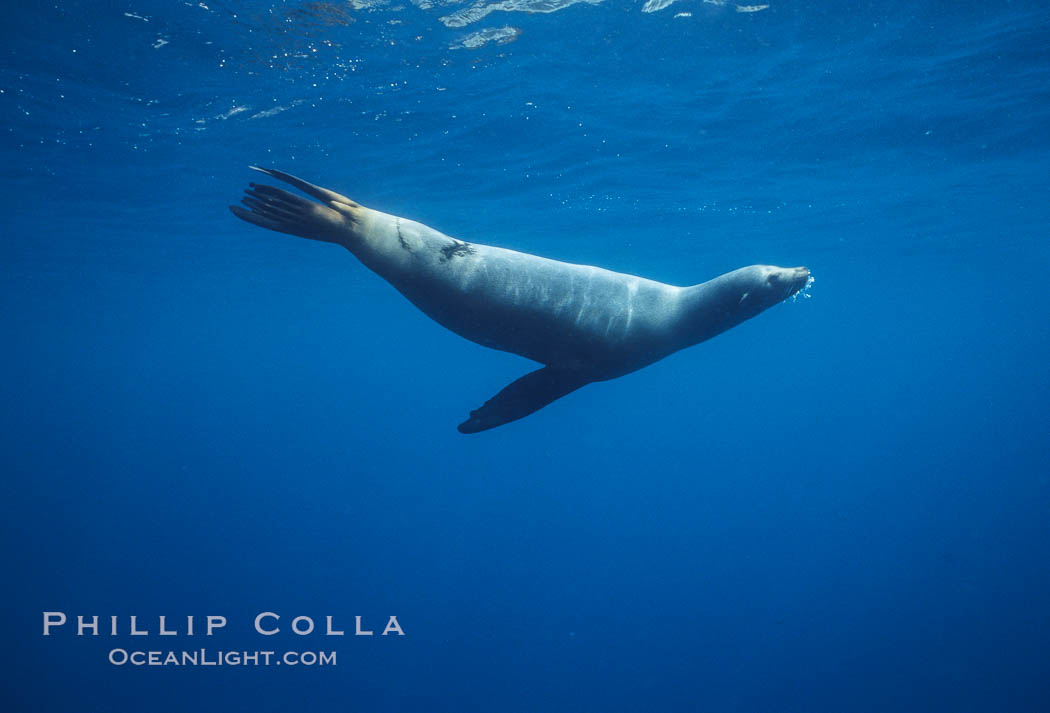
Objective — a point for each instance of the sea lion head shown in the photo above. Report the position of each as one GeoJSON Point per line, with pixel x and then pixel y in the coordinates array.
{"type": "Point", "coordinates": [762, 286]}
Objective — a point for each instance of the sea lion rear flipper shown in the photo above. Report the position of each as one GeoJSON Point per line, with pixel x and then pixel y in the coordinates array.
{"type": "Point", "coordinates": [321, 194]}
{"type": "Point", "coordinates": [285, 212]}
{"type": "Point", "coordinates": [527, 395]}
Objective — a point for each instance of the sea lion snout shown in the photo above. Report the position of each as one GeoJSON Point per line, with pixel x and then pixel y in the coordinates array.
{"type": "Point", "coordinates": [801, 277]}
{"type": "Point", "coordinates": [797, 278]}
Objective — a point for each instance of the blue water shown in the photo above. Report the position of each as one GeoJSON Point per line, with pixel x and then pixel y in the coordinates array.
{"type": "Point", "coordinates": [841, 505]}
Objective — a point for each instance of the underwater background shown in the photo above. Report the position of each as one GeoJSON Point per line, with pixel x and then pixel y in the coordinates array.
{"type": "Point", "coordinates": [841, 505]}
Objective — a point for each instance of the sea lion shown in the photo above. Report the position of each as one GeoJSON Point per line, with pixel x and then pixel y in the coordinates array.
{"type": "Point", "coordinates": [583, 323]}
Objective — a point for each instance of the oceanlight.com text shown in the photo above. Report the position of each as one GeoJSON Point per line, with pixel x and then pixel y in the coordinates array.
{"type": "Point", "coordinates": [205, 657]}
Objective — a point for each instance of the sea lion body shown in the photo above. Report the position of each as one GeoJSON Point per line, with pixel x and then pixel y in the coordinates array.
{"type": "Point", "coordinates": [584, 323]}
{"type": "Point", "coordinates": [574, 316]}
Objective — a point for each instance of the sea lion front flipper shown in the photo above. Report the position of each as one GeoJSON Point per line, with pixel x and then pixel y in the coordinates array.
{"type": "Point", "coordinates": [321, 194]}
{"type": "Point", "coordinates": [527, 395]}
